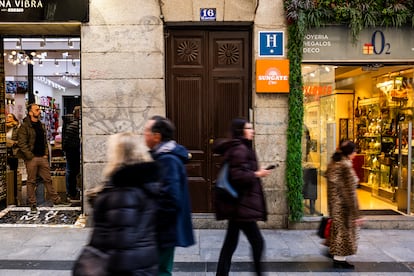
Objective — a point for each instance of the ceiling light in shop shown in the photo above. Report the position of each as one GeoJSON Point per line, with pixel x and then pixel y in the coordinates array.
{"type": "Point", "coordinates": [50, 83]}
{"type": "Point", "coordinates": [56, 63]}
{"type": "Point", "coordinates": [21, 57]}
{"type": "Point", "coordinates": [71, 80]}
{"type": "Point", "coordinates": [385, 84]}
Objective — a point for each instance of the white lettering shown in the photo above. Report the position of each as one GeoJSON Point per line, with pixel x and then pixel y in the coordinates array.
{"type": "Point", "coordinates": [15, 10]}
{"type": "Point", "coordinates": [25, 3]}
{"type": "Point", "coordinates": [317, 43]}
{"type": "Point", "coordinates": [312, 50]}
{"type": "Point", "coordinates": [316, 37]}
{"type": "Point", "coordinates": [271, 39]}
{"type": "Point", "coordinates": [273, 78]}
{"type": "Point", "coordinates": [5, 4]}
{"type": "Point", "coordinates": [50, 215]}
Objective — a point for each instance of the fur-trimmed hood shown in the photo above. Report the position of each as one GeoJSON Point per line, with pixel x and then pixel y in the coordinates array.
{"type": "Point", "coordinates": [136, 175]}
{"type": "Point", "coordinates": [142, 175]}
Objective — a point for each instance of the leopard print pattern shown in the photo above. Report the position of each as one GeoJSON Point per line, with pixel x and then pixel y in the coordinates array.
{"type": "Point", "coordinates": [343, 207]}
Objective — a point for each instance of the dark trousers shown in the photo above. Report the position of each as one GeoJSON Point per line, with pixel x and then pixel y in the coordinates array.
{"type": "Point", "coordinates": [72, 171]}
{"type": "Point", "coordinates": [255, 238]}
{"type": "Point", "coordinates": [166, 262]}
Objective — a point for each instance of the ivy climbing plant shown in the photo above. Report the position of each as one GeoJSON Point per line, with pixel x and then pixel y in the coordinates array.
{"type": "Point", "coordinates": [302, 15]}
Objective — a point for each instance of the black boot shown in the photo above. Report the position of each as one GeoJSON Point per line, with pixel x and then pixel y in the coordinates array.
{"type": "Point", "coordinates": [342, 264]}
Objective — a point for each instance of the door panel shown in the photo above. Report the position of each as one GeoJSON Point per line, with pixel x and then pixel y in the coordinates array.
{"type": "Point", "coordinates": [207, 84]}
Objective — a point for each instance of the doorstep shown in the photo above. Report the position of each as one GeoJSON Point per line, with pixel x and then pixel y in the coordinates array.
{"type": "Point", "coordinates": [386, 222]}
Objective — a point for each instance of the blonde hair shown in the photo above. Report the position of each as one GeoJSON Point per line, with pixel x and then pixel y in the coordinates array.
{"type": "Point", "coordinates": [124, 149]}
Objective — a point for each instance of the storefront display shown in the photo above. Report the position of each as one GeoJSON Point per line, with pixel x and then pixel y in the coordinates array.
{"type": "Point", "coordinates": [380, 107]}
{"type": "Point", "coordinates": [53, 79]}
{"type": "Point", "coordinates": [377, 122]}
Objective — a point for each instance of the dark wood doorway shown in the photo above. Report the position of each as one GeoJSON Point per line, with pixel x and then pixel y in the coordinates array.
{"type": "Point", "coordinates": [208, 82]}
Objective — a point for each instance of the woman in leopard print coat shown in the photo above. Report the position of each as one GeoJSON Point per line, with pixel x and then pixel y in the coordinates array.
{"type": "Point", "coordinates": [343, 205]}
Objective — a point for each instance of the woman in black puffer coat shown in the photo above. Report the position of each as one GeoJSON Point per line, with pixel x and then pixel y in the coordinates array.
{"type": "Point", "coordinates": [124, 211]}
{"type": "Point", "coordinates": [250, 206]}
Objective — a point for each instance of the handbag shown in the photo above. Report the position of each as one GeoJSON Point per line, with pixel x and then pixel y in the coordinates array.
{"type": "Point", "coordinates": [223, 183]}
{"type": "Point", "coordinates": [91, 262]}
{"type": "Point", "coordinates": [324, 228]}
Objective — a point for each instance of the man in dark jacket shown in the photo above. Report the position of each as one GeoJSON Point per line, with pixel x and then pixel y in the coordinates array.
{"type": "Point", "coordinates": [71, 147]}
{"type": "Point", "coordinates": [34, 150]}
{"type": "Point", "coordinates": [175, 228]}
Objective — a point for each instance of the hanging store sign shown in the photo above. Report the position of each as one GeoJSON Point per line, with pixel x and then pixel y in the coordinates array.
{"type": "Point", "coordinates": [334, 44]}
{"type": "Point", "coordinates": [272, 76]}
{"type": "Point", "coordinates": [44, 10]}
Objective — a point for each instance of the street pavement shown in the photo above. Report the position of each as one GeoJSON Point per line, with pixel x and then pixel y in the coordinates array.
{"type": "Point", "coordinates": [51, 251]}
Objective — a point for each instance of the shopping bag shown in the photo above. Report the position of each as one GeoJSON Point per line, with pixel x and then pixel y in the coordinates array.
{"type": "Point", "coordinates": [91, 262]}
{"type": "Point", "coordinates": [223, 183]}
{"type": "Point", "coordinates": [324, 227]}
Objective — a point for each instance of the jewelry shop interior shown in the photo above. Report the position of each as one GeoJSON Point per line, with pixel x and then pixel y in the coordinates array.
{"type": "Point", "coordinates": [362, 91]}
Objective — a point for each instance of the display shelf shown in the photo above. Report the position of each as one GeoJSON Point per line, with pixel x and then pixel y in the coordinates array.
{"type": "Point", "coordinates": [370, 169]}
{"type": "Point", "coordinates": [375, 129]}
{"type": "Point", "coordinates": [365, 186]}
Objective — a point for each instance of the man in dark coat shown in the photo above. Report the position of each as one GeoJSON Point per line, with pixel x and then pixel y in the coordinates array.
{"type": "Point", "coordinates": [71, 147]}
{"type": "Point", "coordinates": [175, 228]}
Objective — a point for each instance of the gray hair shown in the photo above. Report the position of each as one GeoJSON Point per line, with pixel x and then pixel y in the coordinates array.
{"type": "Point", "coordinates": [124, 149]}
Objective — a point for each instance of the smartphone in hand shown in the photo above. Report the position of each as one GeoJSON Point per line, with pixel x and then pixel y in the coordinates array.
{"type": "Point", "coordinates": [270, 167]}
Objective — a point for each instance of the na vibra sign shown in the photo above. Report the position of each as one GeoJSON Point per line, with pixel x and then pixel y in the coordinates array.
{"type": "Point", "coordinates": [272, 76]}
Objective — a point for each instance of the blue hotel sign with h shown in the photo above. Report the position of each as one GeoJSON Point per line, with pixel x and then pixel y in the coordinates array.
{"type": "Point", "coordinates": [271, 44]}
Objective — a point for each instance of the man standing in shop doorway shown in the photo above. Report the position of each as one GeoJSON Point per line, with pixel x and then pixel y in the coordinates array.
{"type": "Point", "coordinates": [71, 147]}
{"type": "Point", "coordinates": [34, 150]}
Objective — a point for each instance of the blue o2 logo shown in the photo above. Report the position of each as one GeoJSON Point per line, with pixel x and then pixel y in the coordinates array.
{"type": "Point", "coordinates": [380, 46]}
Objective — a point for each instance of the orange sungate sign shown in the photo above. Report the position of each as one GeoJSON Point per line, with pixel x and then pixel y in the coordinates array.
{"type": "Point", "coordinates": [272, 76]}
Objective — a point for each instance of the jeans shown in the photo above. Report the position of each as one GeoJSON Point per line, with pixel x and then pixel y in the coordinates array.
{"type": "Point", "coordinates": [72, 171]}
{"type": "Point", "coordinates": [255, 238]}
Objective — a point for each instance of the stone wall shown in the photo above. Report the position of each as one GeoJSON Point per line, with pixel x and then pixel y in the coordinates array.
{"type": "Point", "coordinates": [123, 81]}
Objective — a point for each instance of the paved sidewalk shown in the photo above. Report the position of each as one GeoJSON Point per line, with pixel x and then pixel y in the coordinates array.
{"type": "Point", "coordinates": [51, 251]}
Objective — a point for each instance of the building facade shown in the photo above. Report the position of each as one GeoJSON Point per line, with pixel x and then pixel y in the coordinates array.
{"type": "Point", "coordinates": [202, 63]}
{"type": "Point", "coordinates": [124, 79]}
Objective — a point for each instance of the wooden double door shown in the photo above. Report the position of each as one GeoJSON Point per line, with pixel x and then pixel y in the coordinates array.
{"type": "Point", "coordinates": [208, 83]}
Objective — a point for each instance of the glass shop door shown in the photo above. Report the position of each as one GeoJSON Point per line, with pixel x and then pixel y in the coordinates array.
{"type": "Point", "coordinates": [404, 150]}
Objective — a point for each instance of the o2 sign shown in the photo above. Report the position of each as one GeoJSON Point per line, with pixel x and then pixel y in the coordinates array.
{"type": "Point", "coordinates": [379, 44]}
{"type": "Point", "coordinates": [208, 14]}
